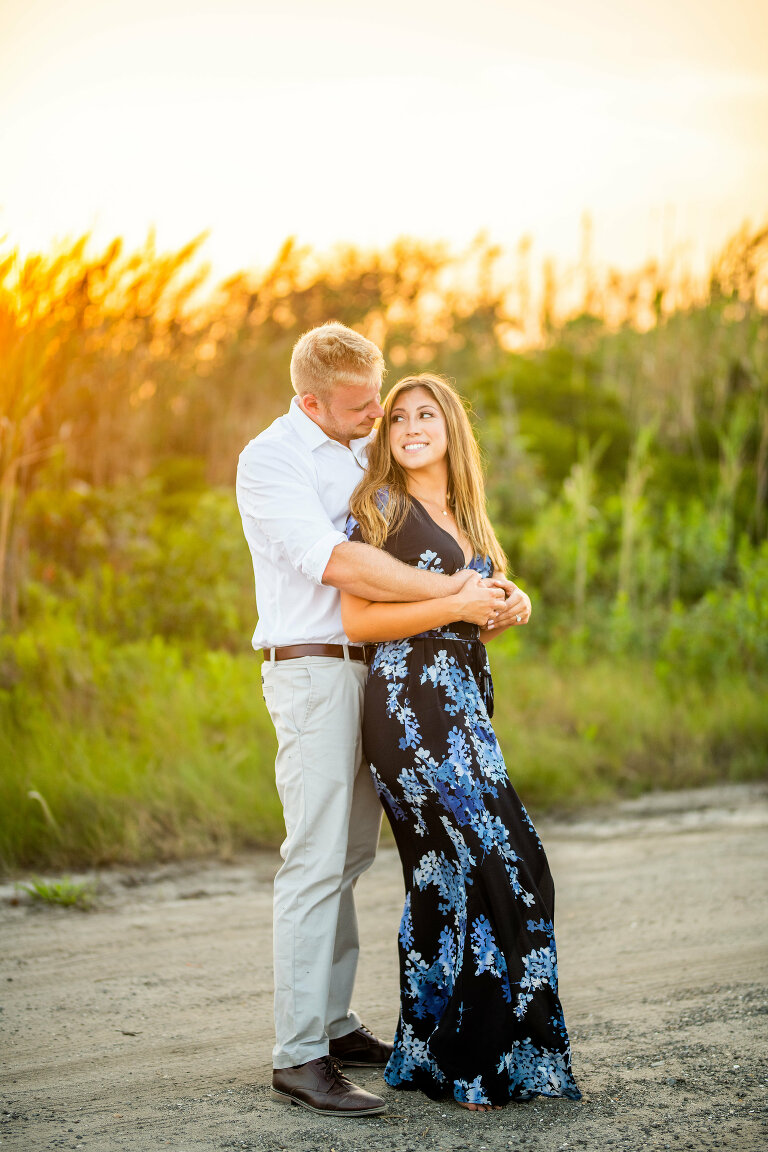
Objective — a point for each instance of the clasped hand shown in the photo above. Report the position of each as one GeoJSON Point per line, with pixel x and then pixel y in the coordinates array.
{"type": "Point", "coordinates": [478, 601]}
{"type": "Point", "coordinates": [491, 602]}
{"type": "Point", "coordinates": [517, 604]}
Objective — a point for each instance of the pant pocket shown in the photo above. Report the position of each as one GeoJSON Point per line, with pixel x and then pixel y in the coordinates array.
{"type": "Point", "coordinates": [302, 699]}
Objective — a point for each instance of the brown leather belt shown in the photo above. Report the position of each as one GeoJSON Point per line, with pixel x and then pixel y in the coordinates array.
{"type": "Point", "coordinates": [294, 651]}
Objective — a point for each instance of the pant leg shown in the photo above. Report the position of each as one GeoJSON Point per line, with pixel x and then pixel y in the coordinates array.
{"type": "Point", "coordinates": [315, 704]}
{"type": "Point", "coordinates": [364, 827]}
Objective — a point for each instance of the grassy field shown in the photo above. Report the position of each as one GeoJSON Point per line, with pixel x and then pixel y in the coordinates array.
{"type": "Point", "coordinates": [626, 451]}
{"type": "Point", "coordinates": [130, 753]}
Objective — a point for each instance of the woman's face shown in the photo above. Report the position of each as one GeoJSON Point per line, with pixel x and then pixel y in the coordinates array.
{"type": "Point", "coordinates": [418, 435]}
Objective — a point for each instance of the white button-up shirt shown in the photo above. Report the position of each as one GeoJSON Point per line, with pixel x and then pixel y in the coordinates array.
{"type": "Point", "coordinates": [293, 490]}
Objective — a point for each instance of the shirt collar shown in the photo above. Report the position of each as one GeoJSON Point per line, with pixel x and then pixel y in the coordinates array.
{"type": "Point", "coordinates": [360, 449]}
{"type": "Point", "coordinates": [313, 435]}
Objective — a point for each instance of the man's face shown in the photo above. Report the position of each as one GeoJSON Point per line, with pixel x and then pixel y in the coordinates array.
{"type": "Point", "coordinates": [351, 411]}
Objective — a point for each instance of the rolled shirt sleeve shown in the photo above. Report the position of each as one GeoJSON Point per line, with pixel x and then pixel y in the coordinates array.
{"type": "Point", "coordinates": [279, 494]}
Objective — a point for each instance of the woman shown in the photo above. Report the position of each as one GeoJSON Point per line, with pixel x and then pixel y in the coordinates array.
{"type": "Point", "coordinates": [480, 1019]}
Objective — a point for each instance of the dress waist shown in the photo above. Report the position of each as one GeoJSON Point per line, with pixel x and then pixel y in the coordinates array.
{"type": "Point", "coordinates": [458, 630]}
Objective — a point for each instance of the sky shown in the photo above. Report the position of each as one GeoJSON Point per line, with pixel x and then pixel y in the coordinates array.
{"type": "Point", "coordinates": [354, 122]}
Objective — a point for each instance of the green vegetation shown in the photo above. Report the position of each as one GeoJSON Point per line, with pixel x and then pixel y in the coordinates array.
{"type": "Point", "coordinates": [627, 455]}
{"type": "Point", "coordinates": [141, 754]}
{"type": "Point", "coordinates": [66, 892]}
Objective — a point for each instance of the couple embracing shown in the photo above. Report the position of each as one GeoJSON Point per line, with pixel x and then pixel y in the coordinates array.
{"type": "Point", "coordinates": [379, 579]}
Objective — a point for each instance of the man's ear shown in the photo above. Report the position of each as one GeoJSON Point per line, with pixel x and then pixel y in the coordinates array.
{"type": "Point", "coordinates": [310, 404]}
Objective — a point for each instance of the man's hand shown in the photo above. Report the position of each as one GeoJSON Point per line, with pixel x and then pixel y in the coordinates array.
{"type": "Point", "coordinates": [516, 609]}
{"type": "Point", "coordinates": [478, 601]}
{"type": "Point", "coordinates": [459, 579]}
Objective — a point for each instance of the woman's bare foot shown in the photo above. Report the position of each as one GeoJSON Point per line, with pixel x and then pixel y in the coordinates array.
{"type": "Point", "coordinates": [479, 1107]}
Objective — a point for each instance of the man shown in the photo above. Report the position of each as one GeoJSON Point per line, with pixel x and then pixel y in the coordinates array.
{"type": "Point", "coordinates": [294, 482]}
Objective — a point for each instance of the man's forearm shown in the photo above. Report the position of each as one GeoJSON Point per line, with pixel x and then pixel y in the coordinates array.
{"type": "Point", "coordinates": [375, 575]}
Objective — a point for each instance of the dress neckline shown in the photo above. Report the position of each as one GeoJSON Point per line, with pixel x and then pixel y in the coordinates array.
{"type": "Point", "coordinates": [444, 531]}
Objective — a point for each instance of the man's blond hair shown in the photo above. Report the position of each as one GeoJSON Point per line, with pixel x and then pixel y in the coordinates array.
{"type": "Point", "coordinates": [332, 354]}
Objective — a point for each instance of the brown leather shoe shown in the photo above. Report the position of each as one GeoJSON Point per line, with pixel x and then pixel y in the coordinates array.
{"type": "Point", "coordinates": [361, 1049]}
{"type": "Point", "coordinates": [319, 1086]}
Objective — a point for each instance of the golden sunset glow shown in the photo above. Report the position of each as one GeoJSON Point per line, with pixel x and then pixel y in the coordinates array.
{"type": "Point", "coordinates": [349, 122]}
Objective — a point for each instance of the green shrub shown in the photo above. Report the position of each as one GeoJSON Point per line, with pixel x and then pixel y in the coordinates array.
{"type": "Point", "coordinates": [143, 560]}
{"type": "Point", "coordinates": [726, 631]}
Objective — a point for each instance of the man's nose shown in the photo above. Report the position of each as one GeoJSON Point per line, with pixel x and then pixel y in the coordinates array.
{"type": "Point", "coordinates": [377, 411]}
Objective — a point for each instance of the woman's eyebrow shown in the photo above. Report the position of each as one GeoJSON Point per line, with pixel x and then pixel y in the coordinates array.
{"type": "Point", "coordinates": [420, 408]}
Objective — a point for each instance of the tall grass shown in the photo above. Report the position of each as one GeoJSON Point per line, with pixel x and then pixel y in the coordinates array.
{"type": "Point", "coordinates": [627, 469]}
{"type": "Point", "coordinates": [582, 732]}
{"type": "Point", "coordinates": [137, 752]}
{"type": "Point", "coordinates": [140, 754]}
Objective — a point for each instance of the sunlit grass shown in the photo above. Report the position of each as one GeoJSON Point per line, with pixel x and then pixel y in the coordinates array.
{"type": "Point", "coordinates": [142, 755]}
{"type": "Point", "coordinates": [627, 471]}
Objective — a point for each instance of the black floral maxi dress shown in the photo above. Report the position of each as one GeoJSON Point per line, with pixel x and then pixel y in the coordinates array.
{"type": "Point", "coordinates": [480, 1018]}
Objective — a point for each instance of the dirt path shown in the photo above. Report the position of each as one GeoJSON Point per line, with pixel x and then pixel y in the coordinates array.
{"type": "Point", "coordinates": [146, 1024]}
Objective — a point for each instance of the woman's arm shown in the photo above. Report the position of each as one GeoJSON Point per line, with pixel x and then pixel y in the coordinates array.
{"type": "Point", "coordinates": [370, 620]}
{"type": "Point", "coordinates": [517, 603]}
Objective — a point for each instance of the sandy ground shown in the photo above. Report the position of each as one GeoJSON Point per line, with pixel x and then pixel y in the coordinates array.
{"type": "Point", "coordinates": [146, 1023]}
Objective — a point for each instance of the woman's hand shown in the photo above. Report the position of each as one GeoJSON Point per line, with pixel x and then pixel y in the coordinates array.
{"type": "Point", "coordinates": [517, 605]}
{"type": "Point", "coordinates": [478, 602]}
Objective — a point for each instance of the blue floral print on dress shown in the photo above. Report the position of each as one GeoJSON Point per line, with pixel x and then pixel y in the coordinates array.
{"type": "Point", "coordinates": [480, 1018]}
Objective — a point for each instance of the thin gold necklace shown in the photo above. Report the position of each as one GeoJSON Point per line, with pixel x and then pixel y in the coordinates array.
{"type": "Point", "coordinates": [434, 503]}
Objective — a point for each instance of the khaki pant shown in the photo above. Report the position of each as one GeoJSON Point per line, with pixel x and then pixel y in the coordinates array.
{"type": "Point", "coordinates": [332, 820]}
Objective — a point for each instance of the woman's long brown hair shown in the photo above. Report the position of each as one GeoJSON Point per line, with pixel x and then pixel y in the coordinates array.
{"type": "Point", "coordinates": [466, 490]}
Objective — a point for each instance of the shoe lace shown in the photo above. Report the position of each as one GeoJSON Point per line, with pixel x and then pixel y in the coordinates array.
{"type": "Point", "coordinates": [332, 1067]}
